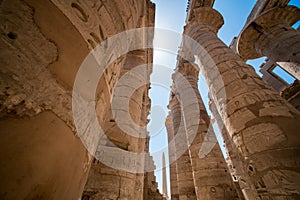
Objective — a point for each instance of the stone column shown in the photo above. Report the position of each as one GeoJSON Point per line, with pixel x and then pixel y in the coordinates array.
{"type": "Point", "coordinates": [139, 106]}
{"type": "Point", "coordinates": [107, 182]}
{"type": "Point", "coordinates": [42, 157]}
{"type": "Point", "coordinates": [172, 158]}
{"type": "Point", "coordinates": [270, 34]}
{"type": "Point", "coordinates": [234, 160]}
{"type": "Point", "coordinates": [261, 124]}
{"type": "Point", "coordinates": [211, 177]}
{"type": "Point", "coordinates": [186, 188]}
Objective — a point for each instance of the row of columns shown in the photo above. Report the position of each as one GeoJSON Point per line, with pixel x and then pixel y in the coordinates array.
{"type": "Point", "coordinates": [262, 128]}
{"type": "Point", "coordinates": [203, 177]}
{"type": "Point", "coordinates": [185, 184]}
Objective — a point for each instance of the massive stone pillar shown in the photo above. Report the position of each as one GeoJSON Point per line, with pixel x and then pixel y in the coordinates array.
{"type": "Point", "coordinates": [262, 125]}
{"type": "Point", "coordinates": [131, 107]}
{"type": "Point", "coordinates": [270, 34]}
{"type": "Point", "coordinates": [41, 155]}
{"type": "Point", "coordinates": [234, 160]}
{"type": "Point", "coordinates": [172, 158]}
{"type": "Point", "coordinates": [105, 181]}
{"type": "Point", "coordinates": [210, 174]}
{"type": "Point", "coordinates": [186, 188]}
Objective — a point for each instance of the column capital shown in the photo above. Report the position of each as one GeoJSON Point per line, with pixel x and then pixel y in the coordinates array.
{"type": "Point", "coordinates": [205, 16]}
{"type": "Point", "coordinates": [265, 24]}
{"type": "Point", "coordinates": [188, 69]}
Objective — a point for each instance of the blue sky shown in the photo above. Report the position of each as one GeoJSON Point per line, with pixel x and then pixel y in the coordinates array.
{"type": "Point", "coordinates": [171, 14]}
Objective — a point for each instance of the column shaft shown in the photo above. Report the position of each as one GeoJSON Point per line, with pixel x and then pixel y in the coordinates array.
{"type": "Point", "coordinates": [107, 182]}
{"type": "Point", "coordinates": [186, 188]}
{"type": "Point", "coordinates": [234, 161]}
{"type": "Point", "coordinates": [211, 177]}
{"type": "Point", "coordinates": [172, 158]}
